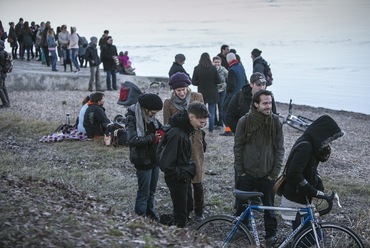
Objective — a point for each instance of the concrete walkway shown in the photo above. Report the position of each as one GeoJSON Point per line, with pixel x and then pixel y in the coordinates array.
{"type": "Point", "coordinates": [32, 75]}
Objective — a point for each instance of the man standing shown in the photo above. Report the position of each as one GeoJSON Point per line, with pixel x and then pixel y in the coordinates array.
{"type": "Point", "coordinates": [258, 156]}
{"type": "Point", "coordinates": [261, 65]}
{"type": "Point", "coordinates": [177, 65]}
{"type": "Point", "coordinates": [174, 154]}
{"type": "Point", "coordinates": [103, 39]}
{"type": "Point", "coordinates": [91, 55]}
{"type": "Point", "coordinates": [236, 79]}
{"type": "Point", "coordinates": [108, 52]}
{"type": "Point", "coordinates": [3, 91]}
{"type": "Point", "coordinates": [224, 51]}
{"type": "Point", "coordinates": [241, 102]}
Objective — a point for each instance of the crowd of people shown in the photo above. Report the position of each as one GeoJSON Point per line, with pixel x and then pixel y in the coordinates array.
{"type": "Point", "coordinates": [246, 109]}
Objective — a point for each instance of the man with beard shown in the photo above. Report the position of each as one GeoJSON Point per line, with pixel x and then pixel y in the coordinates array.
{"type": "Point", "coordinates": [258, 156]}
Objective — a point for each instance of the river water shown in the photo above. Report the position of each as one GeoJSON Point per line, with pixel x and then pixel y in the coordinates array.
{"type": "Point", "coordinates": [319, 50]}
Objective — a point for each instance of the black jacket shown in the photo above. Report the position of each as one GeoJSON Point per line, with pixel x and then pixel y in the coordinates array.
{"type": "Point", "coordinates": [92, 56]}
{"type": "Point", "coordinates": [142, 149]}
{"type": "Point", "coordinates": [174, 155]}
{"type": "Point", "coordinates": [240, 105]}
{"type": "Point", "coordinates": [302, 180]}
{"type": "Point", "coordinates": [95, 121]}
{"type": "Point", "coordinates": [176, 68]}
{"type": "Point", "coordinates": [207, 80]}
{"type": "Point", "coordinates": [259, 65]}
{"type": "Point", "coordinates": [106, 55]}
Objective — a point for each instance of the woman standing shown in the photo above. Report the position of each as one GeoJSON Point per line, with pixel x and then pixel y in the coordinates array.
{"type": "Point", "coordinates": [26, 33]}
{"type": "Point", "coordinates": [73, 46]}
{"type": "Point", "coordinates": [13, 38]}
{"type": "Point", "coordinates": [52, 48]}
{"type": "Point", "coordinates": [144, 133]}
{"type": "Point", "coordinates": [181, 97]}
{"type": "Point", "coordinates": [206, 77]}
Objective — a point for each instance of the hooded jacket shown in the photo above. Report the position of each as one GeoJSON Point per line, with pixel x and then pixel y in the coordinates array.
{"type": "Point", "coordinates": [95, 120]}
{"type": "Point", "coordinates": [174, 155]}
{"type": "Point", "coordinates": [302, 180]}
{"type": "Point", "coordinates": [91, 55]}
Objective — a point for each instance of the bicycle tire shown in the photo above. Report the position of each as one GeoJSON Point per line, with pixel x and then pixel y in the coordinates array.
{"type": "Point", "coordinates": [217, 228]}
{"type": "Point", "coordinates": [295, 125]}
{"type": "Point", "coordinates": [330, 235]}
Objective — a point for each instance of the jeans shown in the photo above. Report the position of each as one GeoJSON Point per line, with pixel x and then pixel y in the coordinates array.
{"type": "Point", "coordinates": [45, 51]}
{"type": "Point", "coordinates": [212, 117]}
{"type": "Point", "coordinates": [220, 104]}
{"type": "Point", "coordinates": [264, 185]}
{"type": "Point", "coordinates": [181, 196]}
{"type": "Point", "coordinates": [94, 76]}
{"type": "Point", "coordinates": [74, 53]}
{"type": "Point", "coordinates": [54, 59]}
{"type": "Point", "coordinates": [111, 74]}
{"type": "Point", "coordinates": [147, 185]}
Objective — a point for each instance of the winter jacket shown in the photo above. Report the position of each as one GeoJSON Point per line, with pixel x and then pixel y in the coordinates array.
{"type": "Point", "coordinates": [95, 121]}
{"type": "Point", "coordinates": [240, 105]}
{"type": "Point", "coordinates": [302, 180]}
{"type": "Point", "coordinates": [176, 68]}
{"type": "Point", "coordinates": [27, 37]}
{"type": "Point", "coordinates": [223, 61]}
{"type": "Point", "coordinates": [198, 143]}
{"type": "Point", "coordinates": [51, 42]}
{"type": "Point", "coordinates": [207, 79]}
{"type": "Point", "coordinates": [174, 158]}
{"type": "Point", "coordinates": [142, 149]}
{"type": "Point", "coordinates": [106, 56]}
{"type": "Point", "coordinates": [236, 78]}
{"type": "Point", "coordinates": [259, 65]}
{"type": "Point", "coordinates": [259, 157]}
{"type": "Point", "coordinates": [91, 55]}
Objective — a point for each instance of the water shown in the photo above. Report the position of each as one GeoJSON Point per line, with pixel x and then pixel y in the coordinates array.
{"type": "Point", "coordinates": [319, 50]}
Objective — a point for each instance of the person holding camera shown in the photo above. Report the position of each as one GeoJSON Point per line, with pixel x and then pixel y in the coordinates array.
{"type": "Point", "coordinates": [144, 131]}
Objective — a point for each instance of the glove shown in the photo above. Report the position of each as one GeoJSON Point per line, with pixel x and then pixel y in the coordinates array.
{"type": "Point", "coordinates": [159, 135]}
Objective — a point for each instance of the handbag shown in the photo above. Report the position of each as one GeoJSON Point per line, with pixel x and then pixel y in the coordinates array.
{"type": "Point", "coordinates": [281, 180]}
{"type": "Point", "coordinates": [279, 184]}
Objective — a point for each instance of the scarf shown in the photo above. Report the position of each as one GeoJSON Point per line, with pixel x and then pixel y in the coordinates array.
{"type": "Point", "coordinates": [256, 120]}
{"type": "Point", "coordinates": [142, 119]}
{"type": "Point", "coordinates": [181, 104]}
{"type": "Point", "coordinates": [233, 62]}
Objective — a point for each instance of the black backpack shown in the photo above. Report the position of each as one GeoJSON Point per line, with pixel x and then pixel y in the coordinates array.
{"type": "Point", "coordinates": [268, 74]}
{"type": "Point", "coordinates": [7, 63]}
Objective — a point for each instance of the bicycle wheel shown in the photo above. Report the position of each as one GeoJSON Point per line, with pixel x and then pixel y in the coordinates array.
{"type": "Point", "coordinates": [330, 235]}
{"type": "Point", "coordinates": [218, 227]}
{"type": "Point", "coordinates": [297, 123]}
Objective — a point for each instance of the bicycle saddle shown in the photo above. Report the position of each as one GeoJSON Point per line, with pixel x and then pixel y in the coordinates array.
{"type": "Point", "coordinates": [245, 195]}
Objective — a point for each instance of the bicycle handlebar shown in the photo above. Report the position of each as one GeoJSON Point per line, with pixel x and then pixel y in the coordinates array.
{"type": "Point", "coordinates": [329, 200]}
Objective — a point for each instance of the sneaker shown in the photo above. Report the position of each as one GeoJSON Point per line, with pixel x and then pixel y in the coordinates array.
{"type": "Point", "coordinates": [227, 134]}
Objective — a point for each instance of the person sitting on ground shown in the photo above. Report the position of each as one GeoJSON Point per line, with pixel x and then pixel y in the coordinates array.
{"type": "Point", "coordinates": [95, 120]}
{"type": "Point", "coordinates": [127, 64]}
{"type": "Point", "coordinates": [144, 133]}
{"type": "Point", "coordinates": [241, 102]}
{"type": "Point", "coordinates": [120, 67]}
{"type": "Point", "coordinates": [81, 116]}
{"type": "Point", "coordinates": [177, 66]}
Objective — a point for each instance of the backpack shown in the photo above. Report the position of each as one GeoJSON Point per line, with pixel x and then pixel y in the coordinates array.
{"type": "Point", "coordinates": [268, 74]}
{"type": "Point", "coordinates": [8, 63]}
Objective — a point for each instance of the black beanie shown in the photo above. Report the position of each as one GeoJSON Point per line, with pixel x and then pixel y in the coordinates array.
{"type": "Point", "coordinates": [179, 80]}
{"type": "Point", "coordinates": [256, 53]}
{"type": "Point", "coordinates": [150, 101]}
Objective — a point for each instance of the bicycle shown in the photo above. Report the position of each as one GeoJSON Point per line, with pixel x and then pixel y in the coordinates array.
{"type": "Point", "coordinates": [298, 122]}
{"type": "Point", "coordinates": [230, 231]}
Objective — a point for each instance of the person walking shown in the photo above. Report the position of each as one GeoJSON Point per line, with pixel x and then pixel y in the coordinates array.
{"type": "Point", "coordinates": [107, 55]}
{"type": "Point", "coordinates": [144, 132]}
{"type": "Point", "coordinates": [206, 77]}
{"type": "Point", "coordinates": [91, 55]}
{"type": "Point", "coordinates": [258, 156]}
{"type": "Point", "coordinates": [174, 158]}
{"type": "Point", "coordinates": [235, 81]}
{"type": "Point", "coordinates": [181, 97]}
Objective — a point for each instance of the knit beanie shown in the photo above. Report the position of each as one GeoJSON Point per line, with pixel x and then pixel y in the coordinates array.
{"type": "Point", "coordinates": [150, 101]}
{"type": "Point", "coordinates": [230, 57]}
{"type": "Point", "coordinates": [93, 39]}
{"type": "Point", "coordinates": [179, 80]}
{"type": "Point", "coordinates": [256, 52]}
